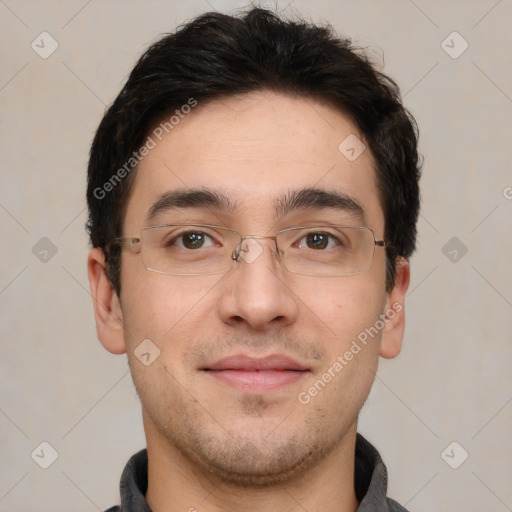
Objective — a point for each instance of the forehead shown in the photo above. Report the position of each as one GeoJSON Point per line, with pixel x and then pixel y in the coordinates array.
{"type": "Point", "coordinates": [256, 149]}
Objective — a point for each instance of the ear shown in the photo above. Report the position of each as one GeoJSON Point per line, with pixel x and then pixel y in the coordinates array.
{"type": "Point", "coordinates": [393, 331]}
{"type": "Point", "coordinates": [107, 308]}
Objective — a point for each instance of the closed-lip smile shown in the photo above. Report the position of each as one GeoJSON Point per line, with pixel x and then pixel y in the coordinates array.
{"type": "Point", "coordinates": [256, 374]}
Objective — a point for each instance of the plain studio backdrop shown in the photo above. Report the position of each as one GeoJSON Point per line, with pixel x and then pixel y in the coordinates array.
{"type": "Point", "coordinates": [440, 413]}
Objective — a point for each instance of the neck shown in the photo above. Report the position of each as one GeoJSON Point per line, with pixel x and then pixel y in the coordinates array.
{"type": "Point", "coordinates": [176, 484]}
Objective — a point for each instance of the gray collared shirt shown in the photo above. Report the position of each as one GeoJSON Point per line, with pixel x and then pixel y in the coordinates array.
{"type": "Point", "coordinates": [370, 475]}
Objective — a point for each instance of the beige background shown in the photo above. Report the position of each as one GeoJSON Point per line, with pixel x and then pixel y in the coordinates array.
{"type": "Point", "coordinates": [452, 381]}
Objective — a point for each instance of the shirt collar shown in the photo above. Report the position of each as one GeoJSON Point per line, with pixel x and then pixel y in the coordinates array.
{"type": "Point", "coordinates": [370, 477]}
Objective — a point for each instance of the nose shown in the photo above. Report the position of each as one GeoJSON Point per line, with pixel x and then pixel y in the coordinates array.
{"type": "Point", "coordinates": [255, 292]}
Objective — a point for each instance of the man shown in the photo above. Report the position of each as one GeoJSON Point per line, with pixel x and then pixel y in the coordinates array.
{"type": "Point", "coordinates": [253, 197]}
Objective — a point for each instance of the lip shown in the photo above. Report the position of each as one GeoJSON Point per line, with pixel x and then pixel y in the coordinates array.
{"type": "Point", "coordinates": [240, 362]}
{"type": "Point", "coordinates": [255, 374]}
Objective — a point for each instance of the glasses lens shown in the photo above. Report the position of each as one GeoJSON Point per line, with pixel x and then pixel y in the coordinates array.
{"type": "Point", "coordinates": [327, 250]}
{"type": "Point", "coordinates": [188, 249]}
{"type": "Point", "coordinates": [200, 249]}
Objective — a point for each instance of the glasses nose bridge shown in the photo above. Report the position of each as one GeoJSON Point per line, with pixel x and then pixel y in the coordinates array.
{"type": "Point", "coordinates": [258, 236]}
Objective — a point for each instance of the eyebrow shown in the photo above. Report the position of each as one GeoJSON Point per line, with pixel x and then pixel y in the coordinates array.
{"type": "Point", "coordinates": [317, 199]}
{"type": "Point", "coordinates": [191, 198]}
{"type": "Point", "coordinates": [301, 199]}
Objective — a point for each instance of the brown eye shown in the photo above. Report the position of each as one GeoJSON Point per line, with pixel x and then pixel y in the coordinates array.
{"type": "Point", "coordinates": [317, 240]}
{"type": "Point", "coordinates": [193, 239]}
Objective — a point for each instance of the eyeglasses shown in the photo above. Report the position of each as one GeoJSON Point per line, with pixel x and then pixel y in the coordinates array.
{"type": "Point", "coordinates": [202, 249]}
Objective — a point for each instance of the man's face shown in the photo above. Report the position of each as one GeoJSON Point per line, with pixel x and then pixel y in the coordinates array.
{"type": "Point", "coordinates": [202, 396]}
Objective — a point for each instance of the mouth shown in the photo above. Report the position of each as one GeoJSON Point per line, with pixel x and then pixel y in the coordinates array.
{"type": "Point", "coordinates": [252, 374]}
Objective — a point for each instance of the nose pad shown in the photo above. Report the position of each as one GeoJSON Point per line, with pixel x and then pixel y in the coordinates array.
{"type": "Point", "coordinates": [250, 250]}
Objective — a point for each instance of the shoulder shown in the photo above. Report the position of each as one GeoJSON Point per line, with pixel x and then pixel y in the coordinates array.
{"type": "Point", "coordinates": [393, 506]}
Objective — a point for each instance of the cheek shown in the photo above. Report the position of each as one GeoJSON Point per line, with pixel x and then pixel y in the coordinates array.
{"type": "Point", "coordinates": [346, 306]}
{"type": "Point", "coordinates": [354, 351]}
{"type": "Point", "coordinates": [162, 307]}
{"type": "Point", "coordinates": [337, 393]}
